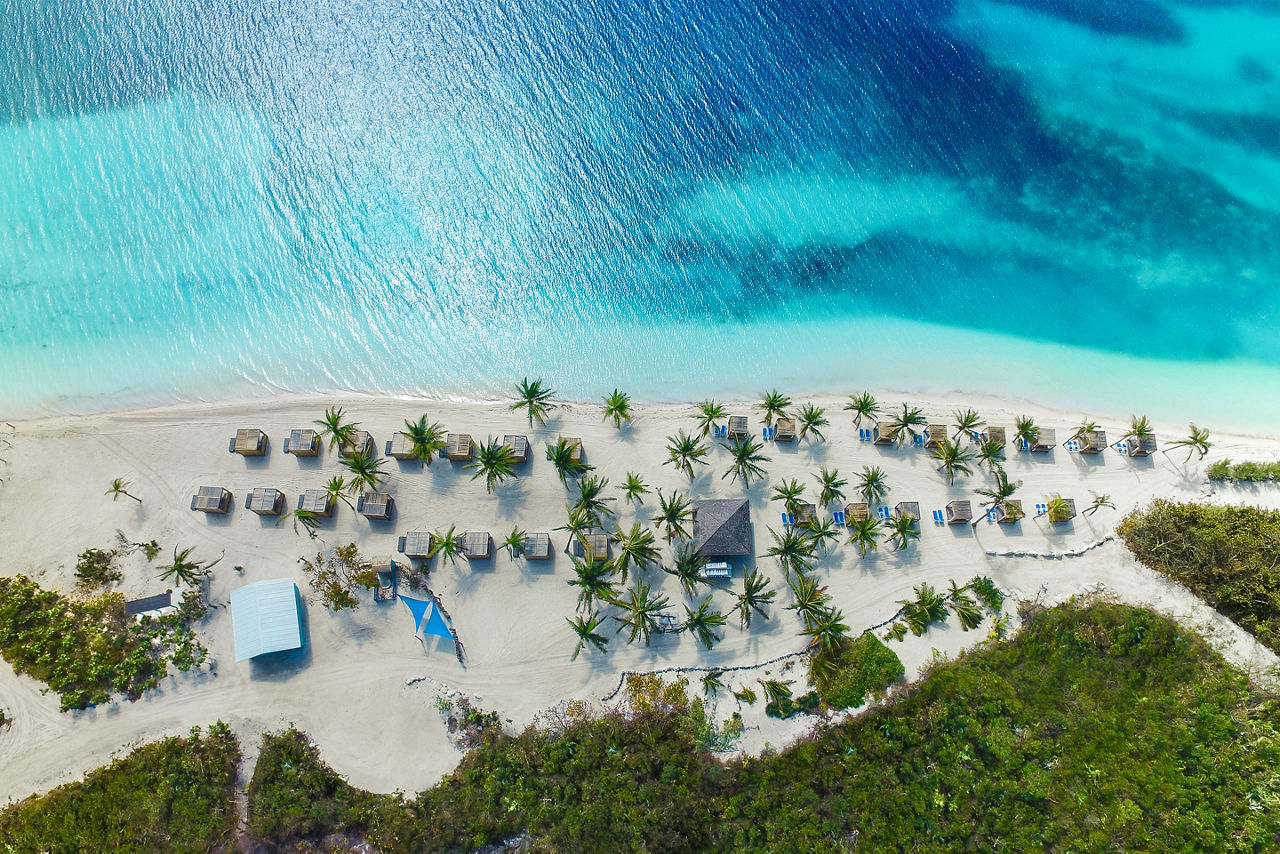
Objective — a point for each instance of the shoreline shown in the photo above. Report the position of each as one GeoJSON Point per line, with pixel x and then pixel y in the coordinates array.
{"type": "Point", "coordinates": [350, 693]}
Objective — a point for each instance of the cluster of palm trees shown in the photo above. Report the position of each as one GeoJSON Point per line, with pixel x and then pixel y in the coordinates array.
{"type": "Point", "coordinates": [967, 602]}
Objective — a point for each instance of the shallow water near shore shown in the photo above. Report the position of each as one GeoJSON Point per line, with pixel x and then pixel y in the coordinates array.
{"type": "Point", "coordinates": [680, 199]}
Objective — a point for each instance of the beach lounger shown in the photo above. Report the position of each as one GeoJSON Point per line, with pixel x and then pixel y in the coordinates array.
{"type": "Point", "coordinates": [991, 514]}
{"type": "Point", "coordinates": [1042, 509]}
{"type": "Point", "coordinates": [918, 441]}
{"type": "Point", "coordinates": [939, 518]}
{"type": "Point", "coordinates": [838, 516]}
{"type": "Point", "coordinates": [1122, 447]}
{"type": "Point", "coordinates": [1022, 445]}
{"type": "Point", "coordinates": [883, 512]}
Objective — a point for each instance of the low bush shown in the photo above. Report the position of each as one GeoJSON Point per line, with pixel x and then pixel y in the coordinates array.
{"type": "Point", "coordinates": [1248, 472]}
{"type": "Point", "coordinates": [97, 568]}
{"type": "Point", "coordinates": [860, 667]}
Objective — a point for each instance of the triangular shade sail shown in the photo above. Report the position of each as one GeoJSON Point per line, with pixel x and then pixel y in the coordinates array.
{"type": "Point", "coordinates": [436, 625]}
{"type": "Point", "coordinates": [418, 608]}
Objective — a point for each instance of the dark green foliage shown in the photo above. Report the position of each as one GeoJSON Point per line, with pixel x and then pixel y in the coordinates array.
{"type": "Point", "coordinates": [88, 649]}
{"type": "Point", "coordinates": [1225, 555]}
{"type": "Point", "coordinates": [847, 673]}
{"type": "Point", "coordinates": [97, 568]}
{"type": "Point", "coordinates": [173, 795]}
{"type": "Point", "coordinates": [1248, 472]}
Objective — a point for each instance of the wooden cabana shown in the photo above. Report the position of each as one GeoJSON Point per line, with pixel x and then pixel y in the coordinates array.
{"type": "Point", "coordinates": [996, 434]}
{"type": "Point", "coordinates": [519, 445]}
{"type": "Point", "coordinates": [1068, 514]}
{"type": "Point", "coordinates": [1046, 438]}
{"type": "Point", "coordinates": [249, 442]}
{"type": "Point", "coordinates": [265, 501]}
{"type": "Point", "coordinates": [805, 513]}
{"type": "Point", "coordinates": [575, 447]}
{"type": "Point", "coordinates": [959, 511]}
{"type": "Point", "coordinates": [537, 546]}
{"type": "Point", "coordinates": [907, 508]}
{"type": "Point", "coordinates": [738, 428]}
{"type": "Point", "coordinates": [884, 433]}
{"type": "Point", "coordinates": [784, 430]}
{"type": "Point", "coordinates": [856, 511]}
{"type": "Point", "coordinates": [302, 443]}
{"type": "Point", "coordinates": [459, 447]}
{"type": "Point", "coordinates": [1141, 447]}
{"type": "Point", "coordinates": [375, 505]}
{"type": "Point", "coordinates": [477, 545]}
{"type": "Point", "coordinates": [361, 443]}
{"type": "Point", "coordinates": [401, 446]}
{"type": "Point", "coordinates": [211, 499]}
{"type": "Point", "coordinates": [1009, 511]}
{"type": "Point", "coordinates": [1093, 442]}
{"type": "Point", "coordinates": [316, 501]}
{"type": "Point", "coordinates": [592, 546]}
{"type": "Point", "coordinates": [417, 545]}
{"type": "Point", "coordinates": [935, 435]}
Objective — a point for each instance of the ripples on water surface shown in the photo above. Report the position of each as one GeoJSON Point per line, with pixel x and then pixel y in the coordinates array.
{"type": "Point", "coordinates": [211, 199]}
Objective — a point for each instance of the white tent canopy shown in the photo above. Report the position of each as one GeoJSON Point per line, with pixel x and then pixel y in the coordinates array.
{"type": "Point", "coordinates": [265, 618]}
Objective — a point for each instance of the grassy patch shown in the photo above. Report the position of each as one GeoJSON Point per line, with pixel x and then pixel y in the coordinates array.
{"type": "Point", "coordinates": [1225, 555]}
{"type": "Point", "coordinates": [847, 674]}
{"type": "Point", "coordinates": [173, 795]}
{"type": "Point", "coordinates": [1099, 727]}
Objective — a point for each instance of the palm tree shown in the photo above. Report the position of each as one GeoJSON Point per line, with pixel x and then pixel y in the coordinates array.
{"type": "Point", "coordinates": [336, 489]}
{"type": "Point", "coordinates": [308, 519]}
{"type": "Point", "coordinates": [902, 530]}
{"type": "Point", "coordinates": [776, 693]}
{"type": "Point", "coordinates": [635, 548]}
{"type": "Point", "coordinates": [494, 461]}
{"type": "Point", "coordinates": [998, 494]}
{"type": "Point", "coordinates": [640, 609]}
{"type": "Point", "coordinates": [754, 598]}
{"type": "Point", "coordinates": [822, 533]}
{"type": "Point", "coordinates": [1025, 430]}
{"type": "Point", "coordinates": [591, 499]}
{"type": "Point", "coordinates": [711, 682]}
{"type": "Point", "coordinates": [865, 534]}
{"type": "Point", "coordinates": [184, 569]}
{"type": "Point", "coordinates": [793, 549]}
{"type": "Point", "coordinates": [688, 568]}
{"type": "Point", "coordinates": [580, 523]}
{"type": "Point", "coordinates": [812, 419]}
{"type": "Point", "coordinates": [618, 407]}
{"type": "Point", "coordinates": [904, 424]}
{"type": "Point", "coordinates": [703, 622]}
{"type": "Point", "coordinates": [965, 608]}
{"type": "Point", "coordinates": [448, 545]}
{"type": "Point", "coordinates": [1100, 500]}
{"type": "Point", "coordinates": [926, 609]}
{"type": "Point", "coordinates": [789, 493]}
{"type": "Point", "coordinates": [747, 457]}
{"type": "Point", "coordinates": [832, 485]}
{"type": "Point", "coordinates": [334, 425]}
{"type": "Point", "coordinates": [872, 484]}
{"type": "Point", "coordinates": [514, 543]}
{"type": "Point", "coordinates": [862, 406]}
{"type": "Point", "coordinates": [535, 399]}
{"type": "Point", "coordinates": [633, 488]}
{"type": "Point", "coordinates": [828, 629]}
{"type": "Point", "coordinates": [1056, 508]}
{"type": "Point", "coordinates": [1197, 441]}
{"type": "Point", "coordinates": [1139, 430]}
{"type": "Point", "coordinates": [585, 629]}
{"type": "Point", "coordinates": [774, 405]}
{"type": "Point", "coordinates": [1086, 427]}
{"type": "Point", "coordinates": [955, 459]}
{"type": "Point", "coordinates": [427, 439]}
{"type": "Point", "coordinates": [119, 487]}
{"type": "Point", "coordinates": [710, 412]}
{"type": "Point", "coordinates": [561, 456]}
{"type": "Point", "coordinates": [673, 513]}
{"type": "Point", "coordinates": [968, 421]}
{"type": "Point", "coordinates": [683, 451]}
{"type": "Point", "coordinates": [594, 580]}
{"type": "Point", "coordinates": [809, 598]}
{"type": "Point", "coordinates": [991, 454]}
{"type": "Point", "coordinates": [366, 471]}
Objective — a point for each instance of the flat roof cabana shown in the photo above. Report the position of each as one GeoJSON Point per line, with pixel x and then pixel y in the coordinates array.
{"type": "Point", "coordinates": [884, 433]}
{"type": "Point", "coordinates": [784, 430]}
{"type": "Point", "coordinates": [302, 443]}
{"type": "Point", "coordinates": [361, 443]}
{"type": "Point", "coordinates": [738, 428]}
{"type": "Point", "coordinates": [1068, 515]}
{"type": "Point", "coordinates": [537, 546]}
{"type": "Point", "coordinates": [477, 545]}
{"type": "Point", "coordinates": [417, 545]}
{"type": "Point", "coordinates": [593, 546]}
{"type": "Point", "coordinates": [1142, 448]}
{"type": "Point", "coordinates": [265, 618]}
{"type": "Point", "coordinates": [996, 434]}
{"type": "Point", "coordinates": [805, 513]}
{"type": "Point", "coordinates": [935, 435]}
{"type": "Point", "coordinates": [722, 527]}
{"type": "Point", "coordinates": [316, 501]}
{"type": "Point", "coordinates": [265, 501]}
{"type": "Point", "coordinates": [249, 442]}
{"type": "Point", "coordinates": [211, 499]}
{"type": "Point", "coordinates": [1093, 442]}
{"type": "Point", "coordinates": [458, 447]}
{"type": "Point", "coordinates": [907, 508]}
{"type": "Point", "coordinates": [375, 505]}
{"type": "Point", "coordinates": [1046, 438]}
{"type": "Point", "coordinates": [1009, 511]}
{"type": "Point", "coordinates": [857, 511]}
{"type": "Point", "coordinates": [575, 446]}
{"type": "Point", "coordinates": [959, 511]}
{"type": "Point", "coordinates": [519, 445]}
{"type": "Point", "coordinates": [401, 446]}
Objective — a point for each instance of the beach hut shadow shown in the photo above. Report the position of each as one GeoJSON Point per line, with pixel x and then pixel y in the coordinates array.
{"type": "Point", "coordinates": [282, 666]}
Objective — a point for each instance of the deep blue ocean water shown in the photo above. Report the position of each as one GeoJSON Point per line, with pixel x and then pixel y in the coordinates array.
{"type": "Point", "coordinates": [1069, 201]}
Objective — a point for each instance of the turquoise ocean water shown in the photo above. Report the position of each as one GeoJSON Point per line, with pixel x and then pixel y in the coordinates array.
{"type": "Point", "coordinates": [1070, 202]}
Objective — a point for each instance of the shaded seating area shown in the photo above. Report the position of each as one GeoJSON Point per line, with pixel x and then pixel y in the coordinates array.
{"type": "Point", "coordinates": [265, 501]}
{"type": "Point", "coordinates": [1046, 439]}
{"type": "Point", "coordinates": [477, 545]}
{"type": "Point", "coordinates": [211, 499]}
{"type": "Point", "coordinates": [1141, 447]}
{"type": "Point", "coordinates": [959, 511]}
{"type": "Point", "coordinates": [935, 435]}
{"type": "Point", "coordinates": [907, 508]}
{"type": "Point", "coordinates": [459, 447]}
{"type": "Point", "coordinates": [427, 618]}
{"type": "Point", "coordinates": [519, 446]}
{"type": "Point", "coordinates": [738, 429]}
{"type": "Point", "coordinates": [316, 501]}
{"type": "Point", "coordinates": [537, 547]}
{"type": "Point", "coordinates": [884, 434]}
{"type": "Point", "coordinates": [591, 546]}
{"type": "Point", "coordinates": [375, 505]}
{"type": "Point", "coordinates": [361, 443]}
{"type": "Point", "coordinates": [856, 511]}
{"type": "Point", "coordinates": [265, 618]}
{"type": "Point", "coordinates": [249, 442]}
{"type": "Point", "coordinates": [1067, 513]}
{"type": "Point", "coordinates": [302, 443]}
{"type": "Point", "coordinates": [722, 528]}
{"type": "Point", "coordinates": [388, 578]}
{"type": "Point", "coordinates": [400, 447]}
{"type": "Point", "coordinates": [995, 434]}
{"type": "Point", "coordinates": [805, 514]}
{"type": "Point", "coordinates": [1009, 511]}
{"type": "Point", "coordinates": [575, 447]}
{"type": "Point", "coordinates": [1093, 442]}
{"type": "Point", "coordinates": [784, 430]}
{"type": "Point", "coordinates": [417, 545]}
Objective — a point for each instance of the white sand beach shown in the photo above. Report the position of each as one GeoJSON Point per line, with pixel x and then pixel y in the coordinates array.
{"type": "Point", "coordinates": [350, 687]}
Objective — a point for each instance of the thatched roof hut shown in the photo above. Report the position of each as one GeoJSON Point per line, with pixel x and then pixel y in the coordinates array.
{"type": "Point", "coordinates": [265, 501]}
{"type": "Point", "coordinates": [996, 434]}
{"type": "Point", "coordinates": [537, 546]}
{"type": "Point", "coordinates": [360, 443]}
{"type": "Point", "coordinates": [575, 445]}
{"type": "Point", "coordinates": [959, 511]}
{"type": "Point", "coordinates": [935, 435]}
{"type": "Point", "coordinates": [316, 501]}
{"type": "Point", "coordinates": [784, 430]}
{"type": "Point", "coordinates": [375, 505]}
{"type": "Point", "coordinates": [1046, 439]}
{"type": "Point", "coordinates": [1009, 511]}
{"type": "Point", "coordinates": [592, 546]}
{"type": "Point", "coordinates": [805, 513]}
{"type": "Point", "coordinates": [477, 545]}
{"type": "Point", "coordinates": [303, 443]}
{"type": "Point", "coordinates": [907, 508]}
{"type": "Point", "coordinates": [1142, 448]}
{"type": "Point", "coordinates": [519, 445]}
{"type": "Point", "coordinates": [738, 428]}
{"type": "Point", "coordinates": [459, 447]}
{"type": "Point", "coordinates": [417, 545]}
{"type": "Point", "coordinates": [1068, 512]}
{"type": "Point", "coordinates": [1093, 442]}
{"type": "Point", "coordinates": [722, 527]}
{"type": "Point", "coordinates": [401, 446]}
{"type": "Point", "coordinates": [249, 442]}
{"type": "Point", "coordinates": [211, 499]}
{"type": "Point", "coordinates": [857, 511]}
{"type": "Point", "coordinates": [884, 433]}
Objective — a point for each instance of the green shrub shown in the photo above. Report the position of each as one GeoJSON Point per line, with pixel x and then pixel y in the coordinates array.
{"type": "Point", "coordinates": [861, 666]}
{"type": "Point", "coordinates": [1246, 472]}
{"type": "Point", "coordinates": [177, 794]}
{"type": "Point", "coordinates": [97, 568]}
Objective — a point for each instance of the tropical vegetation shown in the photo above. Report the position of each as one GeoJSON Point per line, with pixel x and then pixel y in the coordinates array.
{"type": "Point", "coordinates": [535, 399]}
{"type": "Point", "coordinates": [494, 461]}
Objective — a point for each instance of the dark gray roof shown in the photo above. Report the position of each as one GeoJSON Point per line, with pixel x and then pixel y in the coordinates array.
{"type": "Point", "coordinates": [722, 527]}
